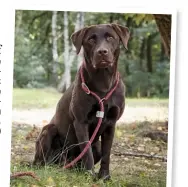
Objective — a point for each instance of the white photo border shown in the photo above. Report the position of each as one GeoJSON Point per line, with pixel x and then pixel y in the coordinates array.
{"type": "Point", "coordinates": [7, 17]}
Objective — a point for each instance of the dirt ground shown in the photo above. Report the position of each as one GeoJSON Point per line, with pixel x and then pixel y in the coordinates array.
{"type": "Point", "coordinates": [39, 117]}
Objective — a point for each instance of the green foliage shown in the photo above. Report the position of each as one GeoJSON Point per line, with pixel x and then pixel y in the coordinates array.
{"type": "Point", "coordinates": [33, 51]}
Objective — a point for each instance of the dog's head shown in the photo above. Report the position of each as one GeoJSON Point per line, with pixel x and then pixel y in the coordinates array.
{"type": "Point", "coordinates": [101, 43]}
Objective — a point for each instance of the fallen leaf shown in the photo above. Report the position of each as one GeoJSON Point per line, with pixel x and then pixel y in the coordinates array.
{"type": "Point", "coordinates": [125, 159]}
{"type": "Point", "coordinates": [159, 128]}
{"type": "Point", "coordinates": [147, 139]}
{"type": "Point", "coordinates": [26, 147]}
{"type": "Point", "coordinates": [33, 133]}
{"type": "Point", "coordinates": [157, 164]}
{"type": "Point", "coordinates": [141, 148]}
{"type": "Point", "coordinates": [50, 181]}
{"type": "Point", "coordinates": [133, 126]}
{"type": "Point", "coordinates": [94, 185]}
{"type": "Point", "coordinates": [156, 149]}
{"type": "Point", "coordinates": [118, 133]}
{"type": "Point", "coordinates": [122, 144]}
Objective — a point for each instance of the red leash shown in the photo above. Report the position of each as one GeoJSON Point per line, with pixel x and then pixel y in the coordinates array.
{"type": "Point", "coordinates": [99, 114]}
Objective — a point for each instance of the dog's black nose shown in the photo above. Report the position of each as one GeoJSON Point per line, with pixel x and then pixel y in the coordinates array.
{"type": "Point", "coordinates": [102, 51]}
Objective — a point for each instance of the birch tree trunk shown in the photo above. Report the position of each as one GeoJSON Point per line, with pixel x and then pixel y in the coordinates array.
{"type": "Point", "coordinates": [54, 48]}
{"type": "Point", "coordinates": [67, 63]}
{"type": "Point", "coordinates": [18, 21]}
{"type": "Point", "coordinates": [66, 78]}
{"type": "Point", "coordinates": [80, 18]}
{"type": "Point", "coordinates": [70, 53]}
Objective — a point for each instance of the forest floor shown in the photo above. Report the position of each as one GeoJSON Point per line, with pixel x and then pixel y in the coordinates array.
{"type": "Point", "coordinates": [136, 159]}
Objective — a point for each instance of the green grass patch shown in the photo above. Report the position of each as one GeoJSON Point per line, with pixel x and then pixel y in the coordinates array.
{"type": "Point", "coordinates": [35, 98]}
{"type": "Point", "coordinates": [48, 97]}
{"type": "Point", "coordinates": [125, 171]}
{"type": "Point", "coordinates": [146, 102]}
{"type": "Point", "coordinates": [56, 177]}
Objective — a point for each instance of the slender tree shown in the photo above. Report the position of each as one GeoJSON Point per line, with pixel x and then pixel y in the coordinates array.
{"type": "Point", "coordinates": [66, 77]}
{"type": "Point", "coordinates": [69, 51]}
{"type": "Point", "coordinates": [54, 47]}
{"type": "Point", "coordinates": [79, 25]}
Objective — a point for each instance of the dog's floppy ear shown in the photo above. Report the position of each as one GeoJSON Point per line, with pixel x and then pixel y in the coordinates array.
{"type": "Point", "coordinates": [77, 38]}
{"type": "Point", "coordinates": [123, 33]}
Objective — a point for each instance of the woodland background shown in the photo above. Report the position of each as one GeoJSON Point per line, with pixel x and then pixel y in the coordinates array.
{"type": "Point", "coordinates": [45, 56]}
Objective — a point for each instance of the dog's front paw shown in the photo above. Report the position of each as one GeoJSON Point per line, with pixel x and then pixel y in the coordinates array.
{"type": "Point", "coordinates": [104, 174]}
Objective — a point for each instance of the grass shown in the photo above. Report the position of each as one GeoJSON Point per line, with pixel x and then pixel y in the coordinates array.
{"type": "Point", "coordinates": [125, 171]}
{"type": "Point", "coordinates": [35, 98]}
{"type": "Point", "coordinates": [53, 177]}
{"type": "Point", "coordinates": [47, 98]}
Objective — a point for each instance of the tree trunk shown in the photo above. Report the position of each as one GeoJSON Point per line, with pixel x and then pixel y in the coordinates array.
{"type": "Point", "coordinates": [18, 21]}
{"type": "Point", "coordinates": [54, 48]}
{"type": "Point", "coordinates": [142, 52]}
{"type": "Point", "coordinates": [149, 51]}
{"type": "Point", "coordinates": [111, 18]}
{"type": "Point", "coordinates": [70, 53]}
{"type": "Point", "coordinates": [162, 53]}
{"type": "Point", "coordinates": [149, 54]}
{"type": "Point", "coordinates": [79, 25]}
{"type": "Point", "coordinates": [164, 25]}
{"type": "Point", "coordinates": [66, 78]}
{"type": "Point", "coordinates": [129, 22]}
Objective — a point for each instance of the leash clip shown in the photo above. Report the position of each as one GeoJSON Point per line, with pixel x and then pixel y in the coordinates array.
{"type": "Point", "coordinates": [100, 114]}
{"type": "Point", "coordinates": [85, 88]}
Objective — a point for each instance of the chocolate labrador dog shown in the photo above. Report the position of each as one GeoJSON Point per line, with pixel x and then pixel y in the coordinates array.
{"type": "Point", "coordinates": [75, 120]}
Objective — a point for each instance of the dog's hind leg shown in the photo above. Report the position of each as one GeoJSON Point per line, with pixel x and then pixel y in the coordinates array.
{"type": "Point", "coordinates": [43, 145]}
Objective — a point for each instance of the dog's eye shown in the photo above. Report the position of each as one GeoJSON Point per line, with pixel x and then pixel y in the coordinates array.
{"type": "Point", "coordinates": [91, 40]}
{"type": "Point", "coordinates": [109, 38]}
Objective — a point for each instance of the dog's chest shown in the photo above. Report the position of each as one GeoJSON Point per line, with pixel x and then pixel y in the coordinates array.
{"type": "Point", "coordinates": [110, 116]}
{"type": "Point", "coordinates": [92, 114]}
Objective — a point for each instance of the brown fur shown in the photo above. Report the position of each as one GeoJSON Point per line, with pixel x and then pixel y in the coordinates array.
{"type": "Point", "coordinates": [75, 117]}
